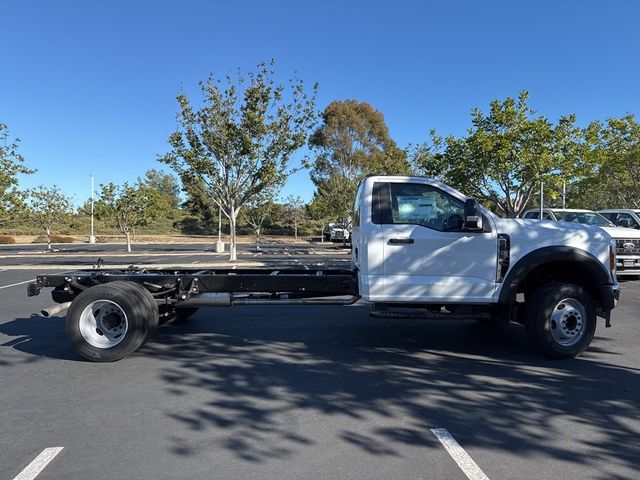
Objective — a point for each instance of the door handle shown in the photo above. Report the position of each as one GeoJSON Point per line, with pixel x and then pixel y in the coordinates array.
{"type": "Point", "coordinates": [400, 241]}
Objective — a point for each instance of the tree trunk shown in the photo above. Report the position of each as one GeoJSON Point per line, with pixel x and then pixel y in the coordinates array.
{"type": "Point", "coordinates": [48, 239]}
{"type": "Point", "coordinates": [232, 241]}
{"type": "Point", "coordinates": [257, 239]}
{"type": "Point", "coordinates": [128, 234]}
{"type": "Point", "coordinates": [295, 229]}
{"type": "Point", "coordinates": [322, 233]}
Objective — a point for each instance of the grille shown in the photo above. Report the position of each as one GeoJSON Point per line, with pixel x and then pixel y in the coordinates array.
{"type": "Point", "coordinates": [620, 243]}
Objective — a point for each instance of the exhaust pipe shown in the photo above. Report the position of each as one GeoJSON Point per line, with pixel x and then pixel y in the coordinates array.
{"type": "Point", "coordinates": [51, 311]}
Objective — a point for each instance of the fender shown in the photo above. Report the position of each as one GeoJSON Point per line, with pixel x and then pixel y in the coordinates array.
{"type": "Point", "coordinates": [599, 274]}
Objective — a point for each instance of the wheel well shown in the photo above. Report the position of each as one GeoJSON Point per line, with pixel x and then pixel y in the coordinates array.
{"type": "Point", "coordinates": [561, 271]}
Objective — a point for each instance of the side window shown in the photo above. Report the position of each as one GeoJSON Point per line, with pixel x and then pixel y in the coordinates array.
{"type": "Point", "coordinates": [609, 216]}
{"type": "Point", "coordinates": [625, 220]}
{"type": "Point", "coordinates": [533, 215]}
{"type": "Point", "coordinates": [419, 204]}
{"type": "Point", "coordinates": [546, 216]}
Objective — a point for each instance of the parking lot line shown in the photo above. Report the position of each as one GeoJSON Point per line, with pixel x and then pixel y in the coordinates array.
{"type": "Point", "coordinates": [462, 458]}
{"type": "Point", "coordinates": [16, 284]}
{"type": "Point", "coordinates": [38, 464]}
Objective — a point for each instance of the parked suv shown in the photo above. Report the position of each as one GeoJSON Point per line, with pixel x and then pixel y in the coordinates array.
{"type": "Point", "coordinates": [622, 217]}
{"type": "Point", "coordinates": [627, 239]}
{"type": "Point", "coordinates": [336, 234]}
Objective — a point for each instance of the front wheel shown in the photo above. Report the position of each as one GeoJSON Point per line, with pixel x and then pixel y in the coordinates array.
{"type": "Point", "coordinates": [560, 320]}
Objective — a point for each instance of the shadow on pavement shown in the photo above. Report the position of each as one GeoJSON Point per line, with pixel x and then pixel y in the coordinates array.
{"type": "Point", "coordinates": [247, 375]}
{"type": "Point", "coordinates": [38, 336]}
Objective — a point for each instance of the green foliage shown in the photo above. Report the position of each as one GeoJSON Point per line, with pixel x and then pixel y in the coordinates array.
{"type": "Point", "coordinates": [238, 143]}
{"type": "Point", "coordinates": [128, 207]}
{"type": "Point", "coordinates": [48, 207]}
{"type": "Point", "coordinates": [256, 213]}
{"type": "Point", "coordinates": [352, 142]}
{"type": "Point", "coordinates": [11, 166]}
{"type": "Point", "coordinates": [164, 183]}
{"type": "Point", "coordinates": [333, 201]}
{"type": "Point", "coordinates": [614, 181]}
{"type": "Point", "coordinates": [506, 154]}
{"type": "Point", "coordinates": [294, 212]}
{"type": "Point", "coordinates": [7, 240]}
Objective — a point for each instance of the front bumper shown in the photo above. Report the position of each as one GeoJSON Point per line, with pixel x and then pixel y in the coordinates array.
{"type": "Point", "coordinates": [627, 264]}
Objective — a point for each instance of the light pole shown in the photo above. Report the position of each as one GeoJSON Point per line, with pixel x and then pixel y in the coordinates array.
{"type": "Point", "coordinates": [92, 238]}
{"type": "Point", "coordinates": [541, 199]}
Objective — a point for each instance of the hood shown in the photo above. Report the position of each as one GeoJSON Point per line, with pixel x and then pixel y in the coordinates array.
{"type": "Point", "coordinates": [548, 232]}
{"type": "Point", "coordinates": [621, 232]}
{"type": "Point", "coordinates": [550, 226]}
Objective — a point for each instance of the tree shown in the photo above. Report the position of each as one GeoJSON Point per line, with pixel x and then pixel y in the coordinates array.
{"type": "Point", "coordinates": [333, 202]}
{"type": "Point", "coordinates": [11, 165]}
{"type": "Point", "coordinates": [256, 213]}
{"type": "Point", "coordinates": [295, 212]}
{"type": "Point", "coordinates": [128, 207]}
{"type": "Point", "coordinates": [48, 206]}
{"type": "Point", "coordinates": [164, 183]}
{"type": "Point", "coordinates": [352, 142]}
{"type": "Point", "coordinates": [237, 145]}
{"type": "Point", "coordinates": [506, 154]}
{"type": "Point", "coordinates": [614, 180]}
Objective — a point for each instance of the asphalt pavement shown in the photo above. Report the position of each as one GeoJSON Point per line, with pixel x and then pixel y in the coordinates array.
{"type": "Point", "coordinates": [316, 392]}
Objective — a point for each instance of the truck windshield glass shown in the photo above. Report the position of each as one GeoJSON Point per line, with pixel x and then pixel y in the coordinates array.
{"type": "Point", "coordinates": [425, 205]}
{"type": "Point", "coordinates": [586, 218]}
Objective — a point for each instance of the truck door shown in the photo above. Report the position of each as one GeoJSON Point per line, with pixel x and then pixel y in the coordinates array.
{"type": "Point", "coordinates": [427, 255]}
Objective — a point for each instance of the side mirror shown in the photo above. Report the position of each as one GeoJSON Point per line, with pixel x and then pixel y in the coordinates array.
{"type": "Point", "coordinates": [472, 221]}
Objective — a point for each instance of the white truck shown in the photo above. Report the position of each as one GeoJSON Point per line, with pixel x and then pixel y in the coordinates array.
{"type": "Point", "coordinates": [420, 248]}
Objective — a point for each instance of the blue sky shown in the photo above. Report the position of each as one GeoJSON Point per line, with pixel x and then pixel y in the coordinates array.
{"type": "Point", "coordinates": [90, 86]}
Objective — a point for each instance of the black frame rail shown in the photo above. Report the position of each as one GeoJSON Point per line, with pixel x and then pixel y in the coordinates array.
{"type": "Point", "coordinates": [247, 285]}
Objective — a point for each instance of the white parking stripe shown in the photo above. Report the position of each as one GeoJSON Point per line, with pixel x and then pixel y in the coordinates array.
{"type": "Point", "coordinates": [462, 458]}
{"type": "Point", "coordinates": [16, 284]}
{"type": "Point", "coordinates": [38, 464]}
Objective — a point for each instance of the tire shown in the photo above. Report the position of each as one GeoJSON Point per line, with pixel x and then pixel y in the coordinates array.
{"type": "Point", "coordinates": [560, 320]}
{"type": "Point", "coordinates": [107, 322]}
{"type": "Point", "coordinates": [154, 319]}
{"type": "Point", "coordinates": [176, 315]}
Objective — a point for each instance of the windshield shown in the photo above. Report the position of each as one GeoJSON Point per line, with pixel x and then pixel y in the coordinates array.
{"type": "Point", "coordinates": [586, 218]}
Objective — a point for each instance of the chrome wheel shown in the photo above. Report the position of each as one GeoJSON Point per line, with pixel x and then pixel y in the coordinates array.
{"type": "Point", "coordinates": [568, 322]}
{"type": "Point", "coordinates": [103, 324]}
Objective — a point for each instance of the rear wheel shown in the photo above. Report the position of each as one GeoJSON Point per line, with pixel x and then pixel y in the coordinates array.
{"type": "Point", "coordinates": [560, 320]}
{"type": "Point", "coordinates": [154, 313]}
{"type": "Point", "coordinates": [108, 322]}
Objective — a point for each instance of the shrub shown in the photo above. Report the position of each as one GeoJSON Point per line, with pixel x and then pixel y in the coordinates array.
{"type": "Point", "coordinates": [54, 239]}
{"type": "Point", "coordinates": [7, 240]}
